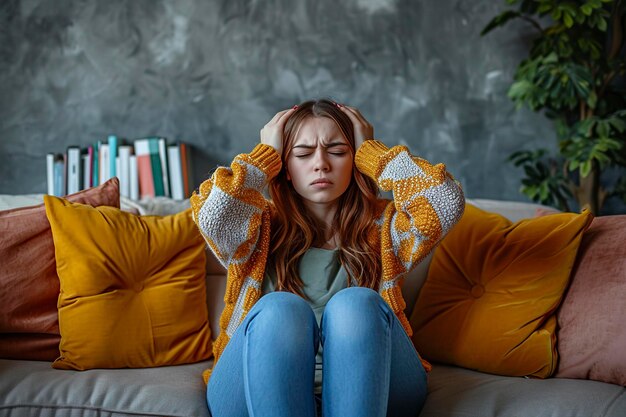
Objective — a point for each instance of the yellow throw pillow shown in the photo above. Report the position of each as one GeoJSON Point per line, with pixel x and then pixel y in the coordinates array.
{"type": "Point", "coordinates": [132, 288]}
{"type": "Point", "coordinates": [492, 290]}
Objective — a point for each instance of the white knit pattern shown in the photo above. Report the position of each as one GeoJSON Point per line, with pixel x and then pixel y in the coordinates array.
{"type": "Point", "coordinates": [445, 199]}
{"type": "Point", "coordinates": [225, 221]}
{"type": "Point", "coordinates": [398, 237]}
{"type": "Point", "coordinates": [255, 178]}
{"type": "Point", "coordinates": [235, 319]}
{"type": "Point", "coordinates": [401, 167]}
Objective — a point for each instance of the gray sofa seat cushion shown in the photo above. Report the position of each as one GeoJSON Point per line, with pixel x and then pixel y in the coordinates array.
{"type": "Point", "coordinates": [457, 392]}
{"type": "Point", "coordinates": [29, 388]}
{"type": "Point", "coordinates": [32, 388]}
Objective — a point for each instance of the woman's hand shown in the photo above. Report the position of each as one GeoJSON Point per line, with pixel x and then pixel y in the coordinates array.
{"type": "Point", "coordinates": [363, 130]}
{"type": "Point", "coordinates": [272, 132]}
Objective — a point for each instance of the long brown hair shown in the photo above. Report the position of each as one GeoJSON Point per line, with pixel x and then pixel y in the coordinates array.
{"type": "Point", "coordinates": [295, 229]}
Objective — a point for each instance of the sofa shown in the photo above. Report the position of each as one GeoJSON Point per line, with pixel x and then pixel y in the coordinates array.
{"type": "Point", "coordinates": [34, 388]}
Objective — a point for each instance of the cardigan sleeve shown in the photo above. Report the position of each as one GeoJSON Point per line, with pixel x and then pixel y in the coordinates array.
{"type": "Point", "coordinates": [427, 201]}
{"type": "Point", "coordinates": [228, 207]}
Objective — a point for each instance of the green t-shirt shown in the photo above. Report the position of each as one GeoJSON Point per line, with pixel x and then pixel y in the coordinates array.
{"type": "Point", "coordinates": [322, 276]}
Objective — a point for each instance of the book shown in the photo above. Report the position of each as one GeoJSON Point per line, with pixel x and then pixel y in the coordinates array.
{"type": "Point", "coordinates": [144, 168]}
{"type": "Point", "coordinates": [164, 170]}
{"type": "Point", "coordinates": [133, 178]}
{"type": "Point", "coordinates": [155, 160]}
{"type": "Point", "coordinates": [123, 173]}
{"type": "Point", "coordinates": [112, 142]}
{"type": "Point", "coordinates": [185, 163]}
{"type": "Point", "coordinates": [50, 157]}
{"type": "Point", "coordinates": [105, 163]}
{"type": "Point", "coordinates": [73, 170]}
{"type": "Point", "coordinates": [86, 171]}
{"type": "Point", "coordinates": [59, 175]}
{"type": "Point", "coordinates": [90, 155]}
{"type": "Point", "coordinates": [175, 172]}
{"type": "Point", "coordinates": [96, 164]}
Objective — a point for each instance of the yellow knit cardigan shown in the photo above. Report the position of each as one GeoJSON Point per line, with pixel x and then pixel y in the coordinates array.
{"type": "Point", "coordinates": [234, 218]}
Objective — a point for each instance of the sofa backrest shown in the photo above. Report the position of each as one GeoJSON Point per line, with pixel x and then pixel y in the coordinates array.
{"type": "Point", "coordinates": [216, 274]}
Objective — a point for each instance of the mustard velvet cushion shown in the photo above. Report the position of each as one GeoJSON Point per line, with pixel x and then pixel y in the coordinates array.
{"type": "Point", "coordinates": [132, 288]}
{"type": "Point", "coordinates": [492, 290]}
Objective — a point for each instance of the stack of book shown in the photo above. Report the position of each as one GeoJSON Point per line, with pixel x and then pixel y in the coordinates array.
{"type": "Point", "coordinates": [147, 168]}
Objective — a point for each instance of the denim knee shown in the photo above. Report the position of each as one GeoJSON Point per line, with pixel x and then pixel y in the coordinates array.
{"type": "Point", "coordinates": [352, 311]}
{"type": "Point", "coordinates": [282, 316]}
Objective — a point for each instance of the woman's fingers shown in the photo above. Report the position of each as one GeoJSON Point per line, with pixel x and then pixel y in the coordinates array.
{"type": "Point", "coordinates": [352, 111]}
{"type": "Point", "coordinates": [278, 115]}
{"type": "Point", "coordinates": [363, 130]}
{"type": "Point", "coordinates": [272, 132]}
{"type": "Point", "coordinates": [285, 115]}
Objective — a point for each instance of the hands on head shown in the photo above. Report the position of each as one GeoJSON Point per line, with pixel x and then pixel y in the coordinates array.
{"type": "Point", "coordinates": [272, 132]}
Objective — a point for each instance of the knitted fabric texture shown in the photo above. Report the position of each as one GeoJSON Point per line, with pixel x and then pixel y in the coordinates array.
{"type": "Point", "coordinates": [234, 218]}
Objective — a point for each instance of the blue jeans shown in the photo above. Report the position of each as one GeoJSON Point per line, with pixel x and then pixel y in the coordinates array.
{"type": "Point", "coordinates": [370, 367]}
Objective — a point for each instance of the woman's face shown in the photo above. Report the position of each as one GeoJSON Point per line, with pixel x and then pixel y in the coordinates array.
{"type": "Point", "coordinates": [320, 152]}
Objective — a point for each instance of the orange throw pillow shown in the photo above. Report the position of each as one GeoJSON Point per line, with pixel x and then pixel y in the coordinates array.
{"type": "Point", "coordinates": [132, 288]}
{"type": "Point", "coordinates": [29, 327]}
{"type": "Point", "coordinates": [492, 290]}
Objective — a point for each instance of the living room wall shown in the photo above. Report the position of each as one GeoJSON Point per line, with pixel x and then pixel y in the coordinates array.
{"type": "Point", "coordinates": [212, 73]}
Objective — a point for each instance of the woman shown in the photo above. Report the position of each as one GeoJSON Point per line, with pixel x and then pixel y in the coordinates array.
{"type": "Point", "coordinates": [314, 317]}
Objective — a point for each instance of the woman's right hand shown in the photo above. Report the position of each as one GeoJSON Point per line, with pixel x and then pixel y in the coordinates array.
{"type": "Point", "coordinates": [272, 132]}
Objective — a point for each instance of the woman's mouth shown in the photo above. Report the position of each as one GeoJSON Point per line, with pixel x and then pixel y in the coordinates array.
{"type": "Point", "coordinates": [321, 183]}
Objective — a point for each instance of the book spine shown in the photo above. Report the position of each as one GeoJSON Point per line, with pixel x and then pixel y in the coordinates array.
{"type": "Point", "coordinates": [112, 141]}
{"type": "Point", "coordinates": [124, 170]}
{"type": "Point", "coordinates": [133, 178]}
{"type": "Point", "coordinates": [164, 169]}
{"type": "Point", "coordinates": [104, 163]}
{"type": "Point", "coordinates": [59, 176]}
{"type": "Point", "coordinates": [86, 171]}
{"type": "Point", "coordinates": [90, 183]}
{"type": "Point", "coordinates": [175, 171]}
{"type": "Point", "coordinates": [96, 164]}
{"type": "Point", "coordinates": [144, 168]}
{"type": "Point", "coordinates": [50, 173]}
{"type": "Point", "coordinates": [73, 169]}
{"type": "Point", "coordinates": [155, 160]}
{"type": "Point", "coordinates": [185, 169]}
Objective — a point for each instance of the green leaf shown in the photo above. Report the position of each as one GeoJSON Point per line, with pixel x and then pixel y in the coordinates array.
{"type": "Point", "coordinates": [585, 169]}
{"type": "Point", "coordinates": [602, 24]}
{"type": "Point", "coordinates": [551, 58]}
{"type": "Point", "coordinates": [617, 124]}
{"type": "Point", "coordinates": [500, 20]}
{"type": "Point", "coordinates": [586, 9]}
{"type": "Point", "coordinates": [544, 191]}
{"type": "Point", "coordinates": [567, 19]}
{"type": "Point", "coordinates": [544, 8]}
{"type": "Point", "coordinates": [603, 129]}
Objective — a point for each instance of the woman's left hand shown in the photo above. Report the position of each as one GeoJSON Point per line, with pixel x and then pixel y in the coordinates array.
{"type": "Point", "coordinates": [363, 130]}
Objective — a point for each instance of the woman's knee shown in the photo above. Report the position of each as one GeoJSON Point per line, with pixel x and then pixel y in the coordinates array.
{"type": "Point", "coordinates": [283, 313]}
{"type": "Point", "coordinates": [353, 309]}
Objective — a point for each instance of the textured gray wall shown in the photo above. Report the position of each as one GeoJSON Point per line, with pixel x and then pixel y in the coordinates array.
{"type": "Point", "coordinates": [212, 73]}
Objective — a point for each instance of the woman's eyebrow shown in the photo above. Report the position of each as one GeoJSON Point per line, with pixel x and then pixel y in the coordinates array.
{"type": "Point", "coordinates": [328, 145]}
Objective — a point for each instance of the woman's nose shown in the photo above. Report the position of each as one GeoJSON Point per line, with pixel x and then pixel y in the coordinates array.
{"type": "Point", "coordinates": [321, 162]}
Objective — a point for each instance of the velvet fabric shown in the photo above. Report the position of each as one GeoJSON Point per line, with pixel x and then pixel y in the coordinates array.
{"type": "Point", "coordinates": [133, 291]}
{"type": "Point", "coordinates": [492, 290]}
{"type": "Point", "coordinates": [592, 319]}
{"type": "Point", "coordinates": [29, 327]}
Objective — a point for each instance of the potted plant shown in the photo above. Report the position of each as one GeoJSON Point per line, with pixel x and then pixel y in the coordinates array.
{"type": "Point", "coordinates": [574, 74]}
